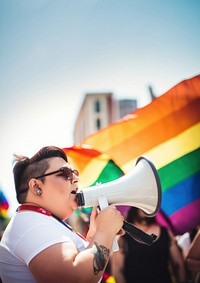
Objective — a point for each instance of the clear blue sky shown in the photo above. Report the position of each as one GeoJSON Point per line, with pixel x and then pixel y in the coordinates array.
{"type": "Point", "coordinates": [52, 52]}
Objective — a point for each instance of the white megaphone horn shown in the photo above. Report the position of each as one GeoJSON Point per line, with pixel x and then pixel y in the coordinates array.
{"type": "Point", "coordinates": [139, 188]}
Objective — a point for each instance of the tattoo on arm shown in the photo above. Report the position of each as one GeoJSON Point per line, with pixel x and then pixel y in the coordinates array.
{"type": "Point", "coordinates": [101, 255]}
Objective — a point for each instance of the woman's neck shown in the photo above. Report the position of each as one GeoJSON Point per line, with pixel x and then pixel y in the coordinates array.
{"type": "Point", "coordinates": [31, 203]}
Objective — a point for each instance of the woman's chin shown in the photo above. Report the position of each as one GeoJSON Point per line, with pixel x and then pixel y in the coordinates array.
{"type": "Point", "coordinates": [74, 201]}
{"type": "Point", "coordinates": [74, 204]}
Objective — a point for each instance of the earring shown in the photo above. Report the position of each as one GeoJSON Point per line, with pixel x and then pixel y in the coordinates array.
{"type": "Point", "coordinates": [38, 191]}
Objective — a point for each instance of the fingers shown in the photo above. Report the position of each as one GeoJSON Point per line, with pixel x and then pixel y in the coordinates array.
{"type": "Point", "coordinates": [114, 216]}
{"type": "Point", "coordinates": [117, 212]}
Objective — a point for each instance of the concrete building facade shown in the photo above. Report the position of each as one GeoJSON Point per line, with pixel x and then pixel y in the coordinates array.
{"type": "Point", "coordinates": [99, 110]}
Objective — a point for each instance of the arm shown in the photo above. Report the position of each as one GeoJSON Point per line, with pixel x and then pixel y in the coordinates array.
{"type": "Point", "coordinates": [62, 262]}
{"type": "Point", "coordinates": [117, 263]}
{"type": "Point", "coordinates": [176, 260]}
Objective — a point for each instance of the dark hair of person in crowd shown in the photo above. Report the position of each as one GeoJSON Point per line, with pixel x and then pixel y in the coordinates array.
{"type": "Point", "coordinates": [133, 214]}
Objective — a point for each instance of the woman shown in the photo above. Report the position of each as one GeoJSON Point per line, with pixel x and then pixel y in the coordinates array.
{"type": "Point", "coordinates": [38, 245]}
{"type": "Point", "coordinates": [139, 263]}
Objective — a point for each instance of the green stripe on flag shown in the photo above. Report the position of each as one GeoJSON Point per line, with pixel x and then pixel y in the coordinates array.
{"type": "Point", "coordinates": [110, 172]}
{"type": "Point", "coordinates": [179, 170]}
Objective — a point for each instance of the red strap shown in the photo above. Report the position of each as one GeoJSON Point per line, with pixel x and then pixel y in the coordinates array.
{"type": "Point", "coordinates": [34, 208]}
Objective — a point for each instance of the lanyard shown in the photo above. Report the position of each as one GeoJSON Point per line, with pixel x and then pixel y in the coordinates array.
{"type": "Point", "coordinates": [47, 213]}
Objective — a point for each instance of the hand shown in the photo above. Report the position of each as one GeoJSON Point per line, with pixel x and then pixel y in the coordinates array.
{"type": "Point", "coordinates": [110, 220]}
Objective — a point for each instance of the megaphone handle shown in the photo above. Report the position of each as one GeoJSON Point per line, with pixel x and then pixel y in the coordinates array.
{"type": "Point", "coordinates": [103, 203]}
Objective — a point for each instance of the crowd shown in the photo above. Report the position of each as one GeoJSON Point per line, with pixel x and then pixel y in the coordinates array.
{"type": "Point", "coordinates": [39, 236]}
{"type": "Point", "coordinates": [165, 261]}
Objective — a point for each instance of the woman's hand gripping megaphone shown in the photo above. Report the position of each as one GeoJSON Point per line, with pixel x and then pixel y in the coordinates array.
{"type": "Point", "coordinates": [103, 203]}
{"type": "Point", "coordinates": [129, 228]}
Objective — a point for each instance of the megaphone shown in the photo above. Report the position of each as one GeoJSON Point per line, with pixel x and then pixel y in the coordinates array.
{"type": "Point", "coordinates": [139, 188]}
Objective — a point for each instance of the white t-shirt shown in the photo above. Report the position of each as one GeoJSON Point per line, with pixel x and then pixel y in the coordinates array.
{"type": "Point", "coordinates": [27, 234]}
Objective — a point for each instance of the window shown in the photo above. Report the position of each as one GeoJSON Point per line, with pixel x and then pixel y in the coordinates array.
{"type": "Point", "coordinates": [97, 106]}
{"type": "Point", "coordinates": [98, 124]}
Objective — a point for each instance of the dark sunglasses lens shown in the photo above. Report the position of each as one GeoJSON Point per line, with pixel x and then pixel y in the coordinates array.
{"type": "Point", "coordinates": [68, 173]}
{"type": "Point", "coordinates": [76, 172]}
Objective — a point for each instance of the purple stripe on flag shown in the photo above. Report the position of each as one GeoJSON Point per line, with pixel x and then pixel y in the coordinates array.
{"type": "Point", "coordinates": [164, 220]}
{"type": "Point", "coordinates": [186, 218]}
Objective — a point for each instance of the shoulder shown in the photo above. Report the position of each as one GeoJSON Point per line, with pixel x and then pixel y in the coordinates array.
{"type": "Point", "coordinates": [24, 222]}
{"type": "Point", "coordinates": [28, 233]}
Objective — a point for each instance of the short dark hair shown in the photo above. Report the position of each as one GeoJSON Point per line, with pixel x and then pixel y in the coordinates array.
{"type": "Point", "coordinates": [132, 215]}
{"type": "Point", "coordinates": [27, 168]}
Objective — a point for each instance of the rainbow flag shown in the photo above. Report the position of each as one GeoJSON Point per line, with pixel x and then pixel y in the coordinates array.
{"type": "Point", "coordinates": [4, 205]}
{"type": "Point", "coordinates": [94, 166]}
{"type": "Point", "coordinates": [168, 132]}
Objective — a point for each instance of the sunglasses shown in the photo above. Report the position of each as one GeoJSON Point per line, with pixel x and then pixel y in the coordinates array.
{"type": "Point", "coordinates": [64, 171]}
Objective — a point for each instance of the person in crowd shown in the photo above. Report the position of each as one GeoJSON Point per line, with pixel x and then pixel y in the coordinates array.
{"type": "Point", "coordinates": [193, 258]}
{"type": "Point", "coordinates": [38, 245]}
{"type": "Point", "coordinates": [135, 262]}
{"type": "Point", "coordinates": [184, 240]}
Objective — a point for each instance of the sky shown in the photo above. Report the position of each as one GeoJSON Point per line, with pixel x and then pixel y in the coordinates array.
{"type": "Point", "coordinates": [53, 52]}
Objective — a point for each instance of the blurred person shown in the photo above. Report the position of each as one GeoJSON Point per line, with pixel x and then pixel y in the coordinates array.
{"type": "Point", "coordinates": [38, 245]}
{"type": "Point", "coordinates": [184, 241]}
{"type": "Point", "coordinates": [193, 259]}
{"type": "Point", "coordinates": [139, 263]}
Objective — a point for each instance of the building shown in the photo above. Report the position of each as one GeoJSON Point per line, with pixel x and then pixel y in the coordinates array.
{"type": "Point", "coordinates": [125, 106]}
{"type": "Point", "coordinates": [98, 110]}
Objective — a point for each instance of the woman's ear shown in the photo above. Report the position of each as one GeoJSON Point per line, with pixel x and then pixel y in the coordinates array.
{"type": "Point", "coordinates": [34, 187]}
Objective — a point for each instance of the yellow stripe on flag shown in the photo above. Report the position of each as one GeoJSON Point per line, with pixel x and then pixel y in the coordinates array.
{"type": "Point", "coordinates": [170, 150]}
